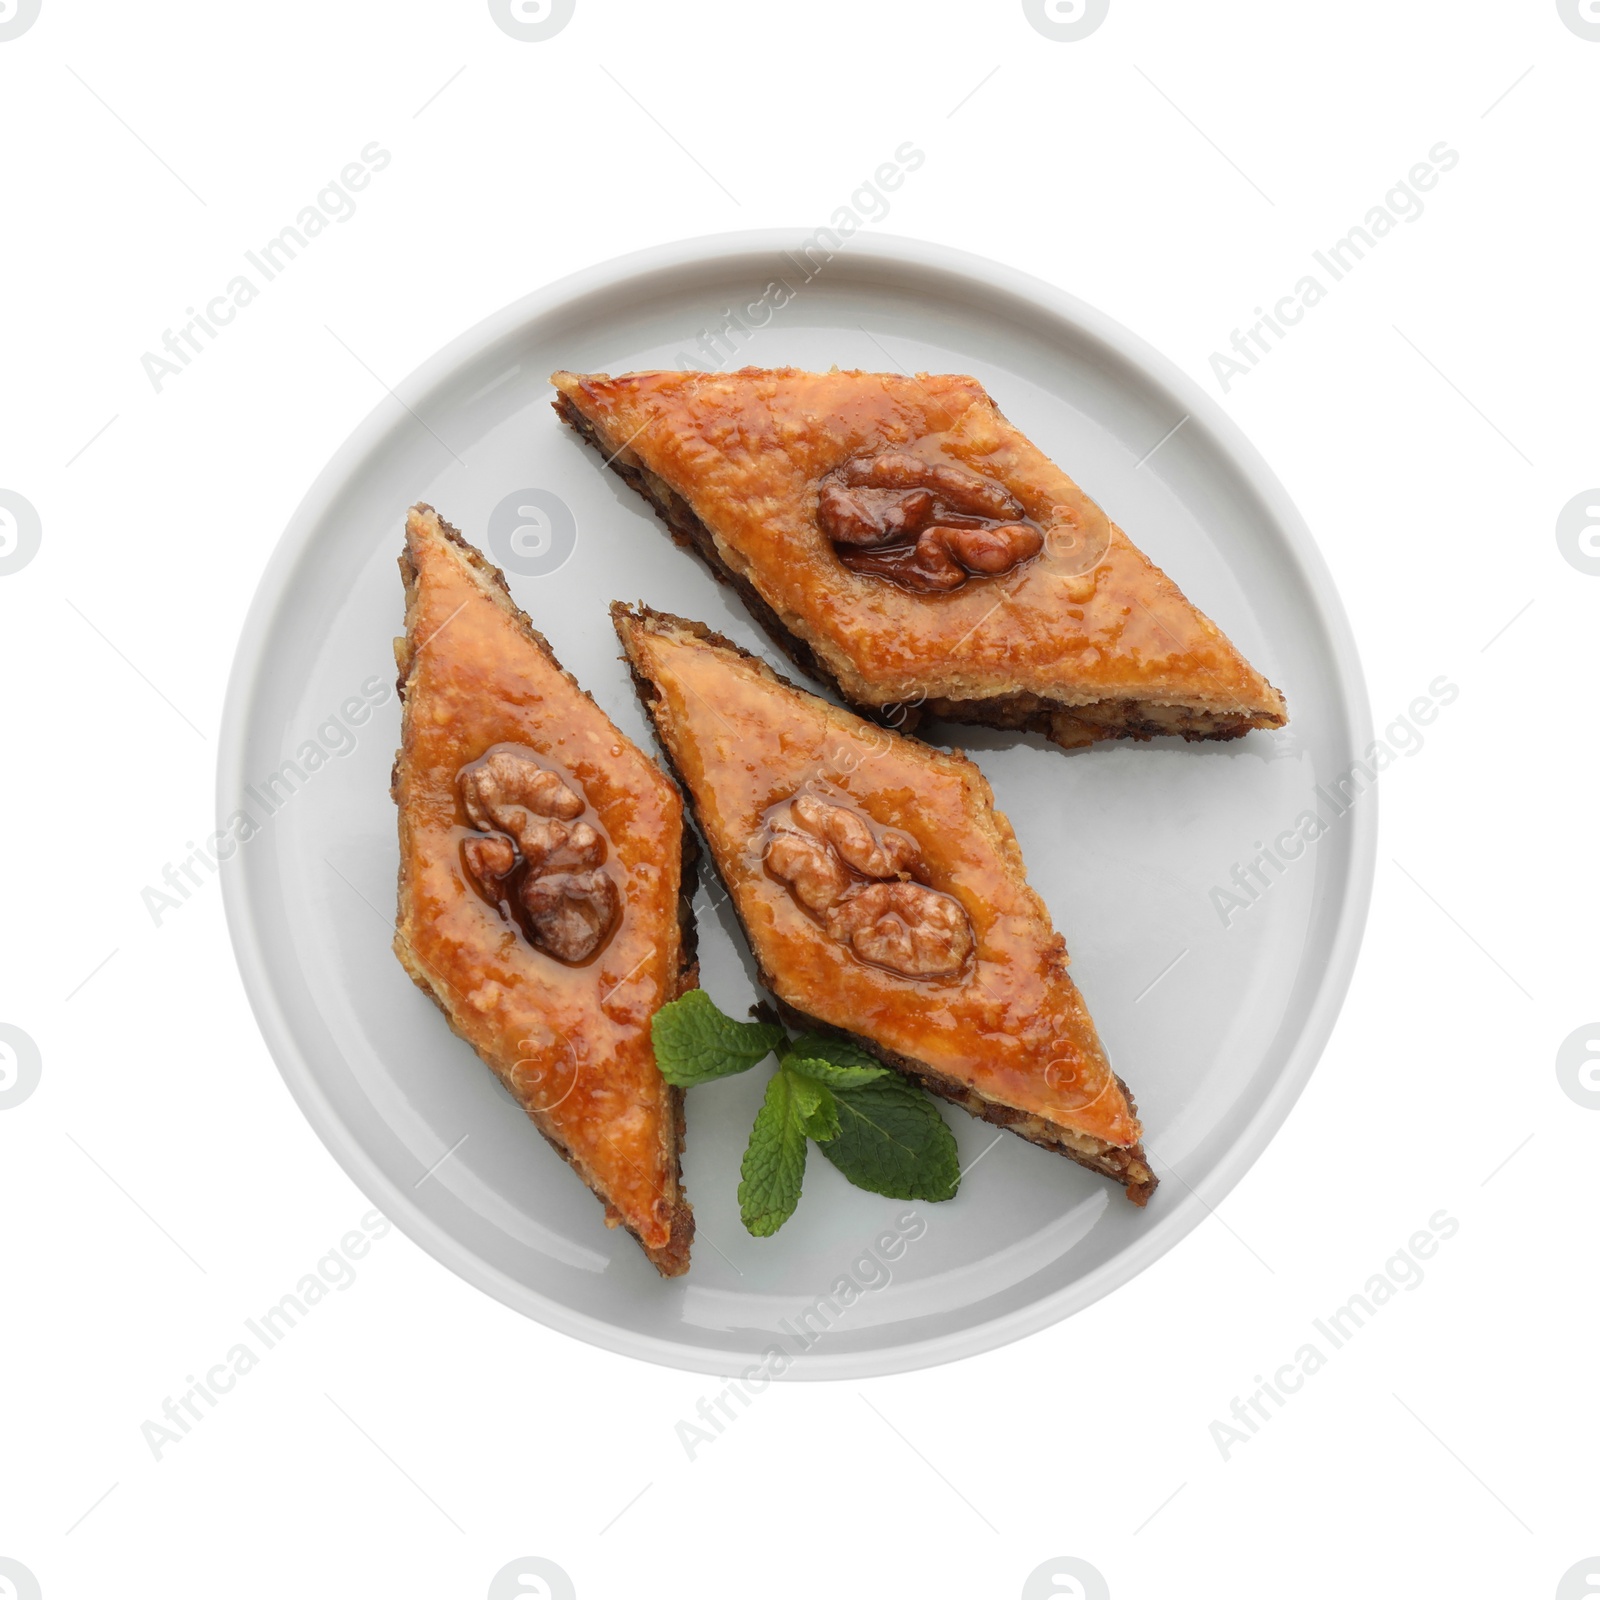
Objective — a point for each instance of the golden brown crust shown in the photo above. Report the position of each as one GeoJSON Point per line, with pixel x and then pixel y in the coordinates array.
{"type": "Point", "coordinates": [571, 1042]}
{"type": "Point", "coordinates": [1076, 648]}
{"type": "Point", "coordinates": [1010, 1041]}
{"type": "Point", "coordinates": [689, 532]}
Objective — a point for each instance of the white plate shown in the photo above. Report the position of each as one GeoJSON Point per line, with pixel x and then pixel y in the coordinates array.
{"type": "Point", "coordinates": [1125, 842]}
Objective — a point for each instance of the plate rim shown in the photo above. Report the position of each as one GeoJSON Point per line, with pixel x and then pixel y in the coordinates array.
{"type": "Point", "coordinates": [714, 251]}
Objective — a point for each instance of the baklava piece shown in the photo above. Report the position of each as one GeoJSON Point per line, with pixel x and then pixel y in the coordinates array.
{"type": "Point", "coordinates": [904, 544]}
{"type": "Point", "coordinates": [883, 896]}
{"type": "Point", "coordinates": [542, 883]}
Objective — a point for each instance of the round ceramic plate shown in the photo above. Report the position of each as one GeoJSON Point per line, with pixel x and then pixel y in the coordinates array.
{"type": "Point", "coordinates": [1213, 999]}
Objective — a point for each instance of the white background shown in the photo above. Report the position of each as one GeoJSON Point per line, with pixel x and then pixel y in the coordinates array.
{"type": "Point", "coordinates": [1431, 418]}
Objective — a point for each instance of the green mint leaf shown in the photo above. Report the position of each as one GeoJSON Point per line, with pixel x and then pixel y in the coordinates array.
{"type": "Point", "coordinates": [695, 1042]}
{"type": "Point", "coordinates": [815, 1106]}
{"type": "Point", "coordinates": [774, 1164]}
{"type": "Point", "coordinates": [893, 1141]}
{"type": "Point", "coordinates": [830, 1073]}
{"type": "Point", "coordinates": [837, 1053]}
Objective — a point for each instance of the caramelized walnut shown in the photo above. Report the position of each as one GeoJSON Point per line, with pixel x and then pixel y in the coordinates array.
{"type": "Point", "coordinates": [571, 912]}
{"type": "Point", "coordinates": [512, 792]}
{"type": "Point", "coordinates": [491, 858]}
{"type": "Point", "coordinates": [945, 556]}
{"type": "Point", "coordinates": [811, 868]}
{"type": "Point", "coordinates": [865, 517]}
{"type": "Point", "coordinates": [505, 780]}
{"type": "Point", "coordinates": [856, 878]}
{"type": "Point", "coordinates": [988, 549]}
{"type": "Point", "coordinates": [907, 927]}
{"type": "Point", "coordinates": [924, 525]}
{"type": "Point", "coordinates": [958, 488]}
{"type": "Point", "coordinates": [883, 854]}
{"type": "Point", "coordinates": [534, 852]}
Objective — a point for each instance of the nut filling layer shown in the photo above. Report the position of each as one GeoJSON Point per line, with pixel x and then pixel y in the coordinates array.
{"type": "Point", "coordinates": [925, 526]}
{"type": "Point", "coordinates": [533, 857]}
{"type": "Point", "coordinates": [857, 880]}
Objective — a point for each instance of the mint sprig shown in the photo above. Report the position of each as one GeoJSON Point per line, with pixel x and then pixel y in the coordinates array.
{"type": "Point", "coordinates": [696, 1043]}
{"type": "Point", "coordinates": [882, 1131]}
{"type": "Point", "coordinates": [893, 1141]}
{"type": "Point", "coordinates": [831, 1061]}
{"type": "Point", "coordinates": [774, 1164]}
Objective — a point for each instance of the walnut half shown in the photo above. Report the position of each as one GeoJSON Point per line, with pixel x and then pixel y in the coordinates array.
{"type": "Point", "coordinates": [528, 817]}
{"type": "Point", "coordinates": [571, 912]}
{"type": "Point", "coordinates": [856, 878]}
{"type": "Point", "coordinates": [925, 525]}
{"type": "Point", "coordinates": [509, 791]}
{"type": "Point", "coordinates": [906, 927]}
